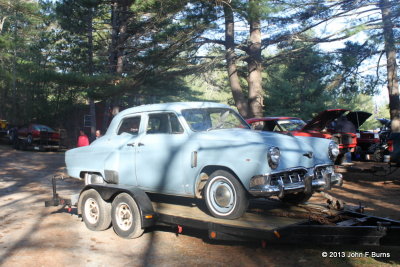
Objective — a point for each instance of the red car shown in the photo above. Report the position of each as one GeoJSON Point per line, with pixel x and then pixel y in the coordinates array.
{"type": "Point", "coordinates": [327, 124]}
{"type": "Point", "coordinates": [38, 137]}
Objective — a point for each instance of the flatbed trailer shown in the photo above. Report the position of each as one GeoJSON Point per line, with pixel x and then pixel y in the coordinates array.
{"type": "Point", "coordinates": [272, 221]}
{"type": "Point", "coordinates": [267, 220]}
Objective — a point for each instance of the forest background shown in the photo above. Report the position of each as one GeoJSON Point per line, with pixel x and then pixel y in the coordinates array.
{"type": "Point", "coordinates": [62, 60]}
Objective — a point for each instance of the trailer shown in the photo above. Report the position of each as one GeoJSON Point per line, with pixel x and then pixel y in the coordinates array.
{"type": "Point", "coordinates": [130, 211]}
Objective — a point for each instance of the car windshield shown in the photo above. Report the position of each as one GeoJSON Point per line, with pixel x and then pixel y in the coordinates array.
{"type": "Point", "coordinates": [40, 127]}
{"type": "Point", "coordinates": [291, 125]}
{"type": "Point", "coordinates": [206, 119]}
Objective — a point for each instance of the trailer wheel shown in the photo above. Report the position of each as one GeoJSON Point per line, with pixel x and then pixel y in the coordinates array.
{"type": "Point", "coordinates": [96, 212]}
{"type": "Point", "coordinates": [296, 198]}
{"type": "Point", "coordinates": [225, 196]}
{"type": "Point", "coordinates": [125, 215]}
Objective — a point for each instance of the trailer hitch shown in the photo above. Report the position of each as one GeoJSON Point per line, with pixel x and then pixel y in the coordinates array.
{"type": "Point", "coordinates": [56, 200]}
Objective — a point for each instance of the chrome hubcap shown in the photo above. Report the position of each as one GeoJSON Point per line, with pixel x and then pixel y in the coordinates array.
{"type": "Point", "coordinates": [222, 196]}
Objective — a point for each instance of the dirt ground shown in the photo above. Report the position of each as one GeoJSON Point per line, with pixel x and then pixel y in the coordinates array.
{"type": "Point", "coordinates": [33, 235]}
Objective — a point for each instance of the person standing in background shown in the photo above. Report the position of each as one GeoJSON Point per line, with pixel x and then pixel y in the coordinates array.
{"type": "Point", "coordinates": [83, 140]}
{"type": "Point", "coordinates": [98, 134]}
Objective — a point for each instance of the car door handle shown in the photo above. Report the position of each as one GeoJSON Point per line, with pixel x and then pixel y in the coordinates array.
{"type": "Point", "coordinates": [140, 144]}
{"type": "Point", "coordinates": [131, 144]}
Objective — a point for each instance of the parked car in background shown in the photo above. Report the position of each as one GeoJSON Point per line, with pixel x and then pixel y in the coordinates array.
{"type": "Point", "coordinates": [367, 141]}
{"type": "Point", "coordinates": [3, 128]}
{"type": "Point", "coordinates": [384, 143]}
{"type": "Point", "coordinates": [203, 150]}
{"type": "Point", "coordinates": [36, 136]}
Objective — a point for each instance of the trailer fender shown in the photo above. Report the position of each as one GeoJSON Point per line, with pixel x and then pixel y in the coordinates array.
{"type": "Point", "coordinates": [109, 191]}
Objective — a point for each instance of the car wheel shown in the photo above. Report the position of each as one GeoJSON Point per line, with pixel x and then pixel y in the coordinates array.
{"type": "Point", "coordinates": [125, 215]}
{"type": "Point", "coordinates": [296, 198]}
{"type": "Point", "coordinates": [225, 196]}
{"type": "Point", "coordinates": [22, 145]}
{"type": "Point", "coordinates": [16, 144]}
{"type": "Point", "coordinates": [95, 211]}
{"type": "Point", "coordinates": [29, 140]}
{"type": "Point", "coordinates": [378, 155]}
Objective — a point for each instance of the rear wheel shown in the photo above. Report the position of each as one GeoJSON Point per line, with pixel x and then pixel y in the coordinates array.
{"type": "Point", "coordinates": [378, 155]}
{"type": "Point", "coordinates": [96, 212]}
{"type": "Point", "coordinates": [296, 198]}
{"type": "Point", "coordinates": [29, 140]}
{"type": "Point", "coordinates": [225, 196]}
{"type": "Point", "coordinates": [126, 217]}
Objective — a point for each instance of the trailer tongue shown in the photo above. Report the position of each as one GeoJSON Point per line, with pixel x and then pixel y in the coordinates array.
{"type": "Point", "coordinates": [269, 221]}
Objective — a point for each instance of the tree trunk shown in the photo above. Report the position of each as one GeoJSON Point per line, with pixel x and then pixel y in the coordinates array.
{"type": "Point", "coordinates": [390, 49]}
{"type": "Point", "coordinates": [237, 91]}
{"type": "Point", "coordinates": [254, 78]}
{"type": "Point", "coordinates": [92, 106]}
{"type": "Point", "coordinates": [120, 15]}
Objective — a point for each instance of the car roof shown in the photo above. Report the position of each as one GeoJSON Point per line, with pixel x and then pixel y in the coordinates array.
{"type": "Point", "coordinates": [173, 106]}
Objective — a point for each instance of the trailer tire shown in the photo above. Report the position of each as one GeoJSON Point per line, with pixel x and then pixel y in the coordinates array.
{"type": "Point", "coordinates": [125, 216]}
{"type": "Point", "coordinates": [296, 198]}
{"type": "Point", "coordinates": [225, 196]}
{"type": "Point", "coordinates": [96, 213]}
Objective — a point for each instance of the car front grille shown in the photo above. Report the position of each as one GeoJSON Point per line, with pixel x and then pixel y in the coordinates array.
{"type": "Point", "coordinates": [288, 177]}
{"type": "Point", "coordinates": [320, 170]}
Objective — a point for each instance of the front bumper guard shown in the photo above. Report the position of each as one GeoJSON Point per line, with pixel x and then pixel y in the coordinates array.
{"type": "Point", "coordinates": [309, 183]}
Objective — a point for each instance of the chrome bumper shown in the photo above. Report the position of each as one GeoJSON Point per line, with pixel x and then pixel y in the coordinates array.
{"type": "Point", "coordinates": [295, 180]}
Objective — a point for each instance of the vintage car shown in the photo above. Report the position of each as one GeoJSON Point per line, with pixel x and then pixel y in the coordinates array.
{"type": "Point", "coordinates": [36, 136]}
{"type": "Point", "coordinates": [204, 150]}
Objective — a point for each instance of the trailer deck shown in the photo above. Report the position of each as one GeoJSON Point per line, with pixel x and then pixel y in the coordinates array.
{"type": "Point", "coordinates": [273, 221]}
{"type": "Point", "coordinates": [269, 221]}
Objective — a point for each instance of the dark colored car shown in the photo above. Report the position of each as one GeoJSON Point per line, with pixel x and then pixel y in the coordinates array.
{"type": "Point", "coordinates": [366, 140]}
{"type": "Point", "coordinates": [37, 137]}
{"type": "Point", "coordinates": [329, 124]}
{"type": "Point", "coordinates": [385, 145]}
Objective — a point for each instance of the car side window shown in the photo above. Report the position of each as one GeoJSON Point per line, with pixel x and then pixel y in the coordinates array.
{"type": "Point", "coordinates": [269, 126]}
{"type": "Point", "coordinates": [258, 125]}
{"type": "Point", "coordinates": [165, 123]}
{"type": "Point", "coordinates": [130, 125]}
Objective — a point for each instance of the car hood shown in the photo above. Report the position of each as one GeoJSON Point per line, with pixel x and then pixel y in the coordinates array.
{"type": "Point", "coordinates": [358, 117]}
{"type": "Point", "coordinates": [384, 122]}
{"type": "Point", "coordinates": [245, 136]}
{"type": "Point", "coordinates": [319, 122]}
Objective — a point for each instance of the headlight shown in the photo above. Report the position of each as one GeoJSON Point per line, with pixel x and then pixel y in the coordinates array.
{"type": "Point", "coordinates": [273, 157]}
{"type": "Point", "coordinates": [333, 150]}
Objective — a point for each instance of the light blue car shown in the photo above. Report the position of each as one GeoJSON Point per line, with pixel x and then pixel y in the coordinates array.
{"type": "Point", "coordinates": [204, 150]}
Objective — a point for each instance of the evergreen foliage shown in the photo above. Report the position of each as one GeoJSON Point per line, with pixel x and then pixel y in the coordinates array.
{"type": "Point", "coordinates": [55, 56]}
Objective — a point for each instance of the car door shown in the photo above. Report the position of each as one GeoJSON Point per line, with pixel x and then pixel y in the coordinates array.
{"type": "Point", "coordinates": [159, 154]}
{"type": "Point", "coordinates": [125, 142]}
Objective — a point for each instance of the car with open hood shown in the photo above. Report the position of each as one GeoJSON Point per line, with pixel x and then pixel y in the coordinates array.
{"type": "Point", "coordinates": [204, 150]}
{"type": "Point", "coordinates": [327, 124]}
